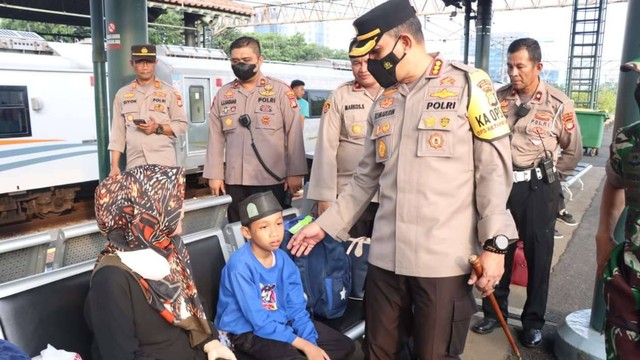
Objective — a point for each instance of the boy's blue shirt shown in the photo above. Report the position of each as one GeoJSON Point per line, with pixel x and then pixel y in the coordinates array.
{"type": "Point", "coordinates": [267, 302]}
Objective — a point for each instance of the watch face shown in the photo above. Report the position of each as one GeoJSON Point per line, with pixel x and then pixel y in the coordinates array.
{"type": "Point", "coordinates": [502, 242]}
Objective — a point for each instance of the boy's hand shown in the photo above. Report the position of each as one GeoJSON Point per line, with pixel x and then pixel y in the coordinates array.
{"type": "Point", "coordinates": [315, 353]}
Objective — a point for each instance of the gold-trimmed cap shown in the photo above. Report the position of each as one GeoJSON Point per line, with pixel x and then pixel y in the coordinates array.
{"type": "Point", "coordinates": [371, 26]}
{"type": "Point", "coordinates": [633, 65]}
{"type": "Point", "coordinates": [143, 52]}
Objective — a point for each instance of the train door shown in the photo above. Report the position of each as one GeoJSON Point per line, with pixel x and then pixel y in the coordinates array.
{"type": "Point", "coordinates": [198, 105]}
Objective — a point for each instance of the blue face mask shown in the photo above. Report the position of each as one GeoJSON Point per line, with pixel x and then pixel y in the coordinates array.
{"type": "Point", "coordinates": [384, 70]}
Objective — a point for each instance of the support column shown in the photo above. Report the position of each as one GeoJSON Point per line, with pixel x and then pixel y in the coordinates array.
{"type": "Point", "coordinates": [99, 58]}
{"type": "Point", "coordinates": [483, 34]}
{"type": "Point", "coordinates": [190, 34]}
{"type": "Point", "coordinates": [126, 26]}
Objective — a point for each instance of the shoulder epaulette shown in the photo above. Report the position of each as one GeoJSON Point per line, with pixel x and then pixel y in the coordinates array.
{"type": "Point", "coordinates": [462, 66]}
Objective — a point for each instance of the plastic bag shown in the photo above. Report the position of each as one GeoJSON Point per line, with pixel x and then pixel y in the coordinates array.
{"type": "Point", "coordinates": [51, 353]}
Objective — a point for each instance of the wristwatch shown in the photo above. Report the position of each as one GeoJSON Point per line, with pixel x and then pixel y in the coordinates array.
{"type": "Point", "coordinates": [160, 130]}
{"type": "Point", "coordinates": [497, 245]}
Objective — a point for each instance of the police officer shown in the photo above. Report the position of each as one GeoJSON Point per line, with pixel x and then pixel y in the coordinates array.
{"type": "Point", "coordinates": [619, 262]}
{"type": "Point", "coordinates": [148, 115]}
{"type": "Point", "coordinates": [437, 149]}
{"type": "Point", "coordinates": [340, 143]}
{"type": "Point", "coordinates": [255, 134]}
{"type": "Point", "coordinates": [543, 121]}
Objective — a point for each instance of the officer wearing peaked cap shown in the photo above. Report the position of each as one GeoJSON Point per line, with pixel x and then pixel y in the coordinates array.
{"type": "Point", "coordinates": [618, 263]}
{"type": "Point", "coordinates": [438, 150]}
{"type": "Point", "coordinates": [148, 114]}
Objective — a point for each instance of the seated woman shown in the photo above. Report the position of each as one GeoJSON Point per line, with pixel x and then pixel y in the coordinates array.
{"type": "Point", "coordinates": [143, 303]}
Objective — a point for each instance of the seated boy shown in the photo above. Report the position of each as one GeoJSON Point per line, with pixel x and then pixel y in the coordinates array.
{"type": "Point", "coordinates": [261, 306]}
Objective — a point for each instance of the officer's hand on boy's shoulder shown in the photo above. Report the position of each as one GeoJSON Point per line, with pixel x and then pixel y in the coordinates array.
{"type": "Point", "coordinates": [304, 240]}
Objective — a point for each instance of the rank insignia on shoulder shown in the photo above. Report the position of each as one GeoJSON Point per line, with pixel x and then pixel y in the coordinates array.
{"type": "Point", "coordinates": [156, 84]}
{"type": "Point", "coordinates": [436, 66]}
{"type": "Point", "coordinates": [263, 82]}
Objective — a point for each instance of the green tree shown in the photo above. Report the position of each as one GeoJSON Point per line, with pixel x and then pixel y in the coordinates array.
{"type": "Point", "coordinates": [50, 32]}
{"type": "Point", "coordinates": [224, 39]}
{"type": "Point", "coordinates": [607, 97]}
{"type": "Point", "coordinates": [167, 35]}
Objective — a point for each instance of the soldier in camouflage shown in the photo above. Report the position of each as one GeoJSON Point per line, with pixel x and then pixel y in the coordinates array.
{"type": "Point", "coordinates": [618, 263]}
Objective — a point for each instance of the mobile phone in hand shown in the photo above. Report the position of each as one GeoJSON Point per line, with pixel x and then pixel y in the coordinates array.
{"type": "Point", "coordinates": [139, 121]}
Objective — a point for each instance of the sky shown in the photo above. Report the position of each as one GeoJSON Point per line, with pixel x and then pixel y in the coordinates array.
{"type": "Point", "coordinates": [550, 26]}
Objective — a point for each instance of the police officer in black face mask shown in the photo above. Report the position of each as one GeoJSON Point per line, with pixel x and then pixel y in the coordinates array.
{"type": "Point", "coordinates": [265, 151]}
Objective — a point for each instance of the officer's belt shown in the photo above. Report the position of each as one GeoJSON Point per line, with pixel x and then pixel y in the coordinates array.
{"type": "Point", "coordinates": [527, 174]}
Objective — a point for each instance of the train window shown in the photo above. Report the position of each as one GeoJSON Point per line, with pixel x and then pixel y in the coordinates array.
{"type": "Point", "coordinates": [14, 112]}
{"type": "Point", "coordinates": [316, 99]}
{"type": "Point", "coordinates": [197, 109]}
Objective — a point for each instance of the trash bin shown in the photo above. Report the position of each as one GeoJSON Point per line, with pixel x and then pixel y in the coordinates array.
{"type": "Point", "coordinates": [592, 127]}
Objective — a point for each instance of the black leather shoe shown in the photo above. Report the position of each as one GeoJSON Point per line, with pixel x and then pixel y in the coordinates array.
{"type": "Point", "coordinates": [485, 326]}
{"type": "Point", "coordinates": [531, 337]}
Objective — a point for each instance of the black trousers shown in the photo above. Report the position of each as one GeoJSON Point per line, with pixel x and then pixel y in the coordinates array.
{"type": "Point", "coordinates": [533, 205]}
{"type": "Point", "coordinates": [435, 311]}
{"type": "Point", "coordinates": [241, 192]}
{"type": "Point", "coordinates": [335, 344]}
{"type": "Point", "coordinates": [364, 224]}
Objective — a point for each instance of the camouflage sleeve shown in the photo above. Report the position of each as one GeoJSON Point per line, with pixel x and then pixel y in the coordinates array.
{"type": "Point", "coordinates": [621, 143]}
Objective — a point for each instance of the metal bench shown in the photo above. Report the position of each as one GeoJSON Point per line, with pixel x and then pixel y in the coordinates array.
{"type": "Point", "coordinates": [581, 169]}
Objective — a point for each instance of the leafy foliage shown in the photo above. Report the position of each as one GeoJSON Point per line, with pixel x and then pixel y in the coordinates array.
{"type": "Point", "coordinates": [276, 47]}
{"type": "Point", "coordinates": [167, 35]}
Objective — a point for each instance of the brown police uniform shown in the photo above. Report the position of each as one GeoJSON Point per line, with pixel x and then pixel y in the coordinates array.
{"type": "Point", "coordinates": [275, 128]}
{"type": "Point", "coordinates": [133, 101]}
{"type": "Point", "coordinates": [340, 143]}
{"type": "Point", "coordinates": [441, 161]}
{"type": "Point", "coordinates": [549, 126]}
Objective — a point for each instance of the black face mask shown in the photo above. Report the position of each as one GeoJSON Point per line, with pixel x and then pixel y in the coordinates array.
{"type": "Point", "coordinates": [384, 70]}
{"type": "Point", "coordinates": [243, 71]}
{"type": "Point", "coordinates": [637, 95]}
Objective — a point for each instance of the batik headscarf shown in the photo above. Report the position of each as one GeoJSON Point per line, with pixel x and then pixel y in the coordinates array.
{"type": "Point", "coordinates": [139, 209]}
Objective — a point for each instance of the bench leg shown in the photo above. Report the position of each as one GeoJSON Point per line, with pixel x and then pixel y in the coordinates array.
{"type": "Point", "coordinates": [566, 188]}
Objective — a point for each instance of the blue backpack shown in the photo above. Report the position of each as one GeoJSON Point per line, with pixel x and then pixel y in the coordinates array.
{"type": "Point", "coordinates": [325, 272]}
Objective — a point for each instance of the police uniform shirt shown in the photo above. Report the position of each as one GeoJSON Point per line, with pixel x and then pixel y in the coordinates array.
{"type": "Point", "coordinates": [133, 101]}
{"type": "Point", "coordinates": [275, 126]}
{"type": "Point", "coordinates": [443, 188]}
{"type": "Point", "coordinates": [551, 124]}
{"type": "Point", "coordinates": [340, 142]}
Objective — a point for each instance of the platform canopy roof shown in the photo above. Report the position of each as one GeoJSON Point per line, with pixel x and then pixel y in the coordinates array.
{"type": "Point", "coordinates": [76, 12]}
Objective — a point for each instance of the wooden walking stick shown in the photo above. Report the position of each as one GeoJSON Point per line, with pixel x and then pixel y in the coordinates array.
{"type": "Point", "coordinates": [477, 268]}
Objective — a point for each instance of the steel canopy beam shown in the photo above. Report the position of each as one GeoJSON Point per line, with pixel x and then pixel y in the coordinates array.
{"type": "Point", "coordinates": [301, 11]}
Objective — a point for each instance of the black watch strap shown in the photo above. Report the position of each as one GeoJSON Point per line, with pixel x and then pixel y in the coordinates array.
{"type": "Point", "coordinates": [490, 247]}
